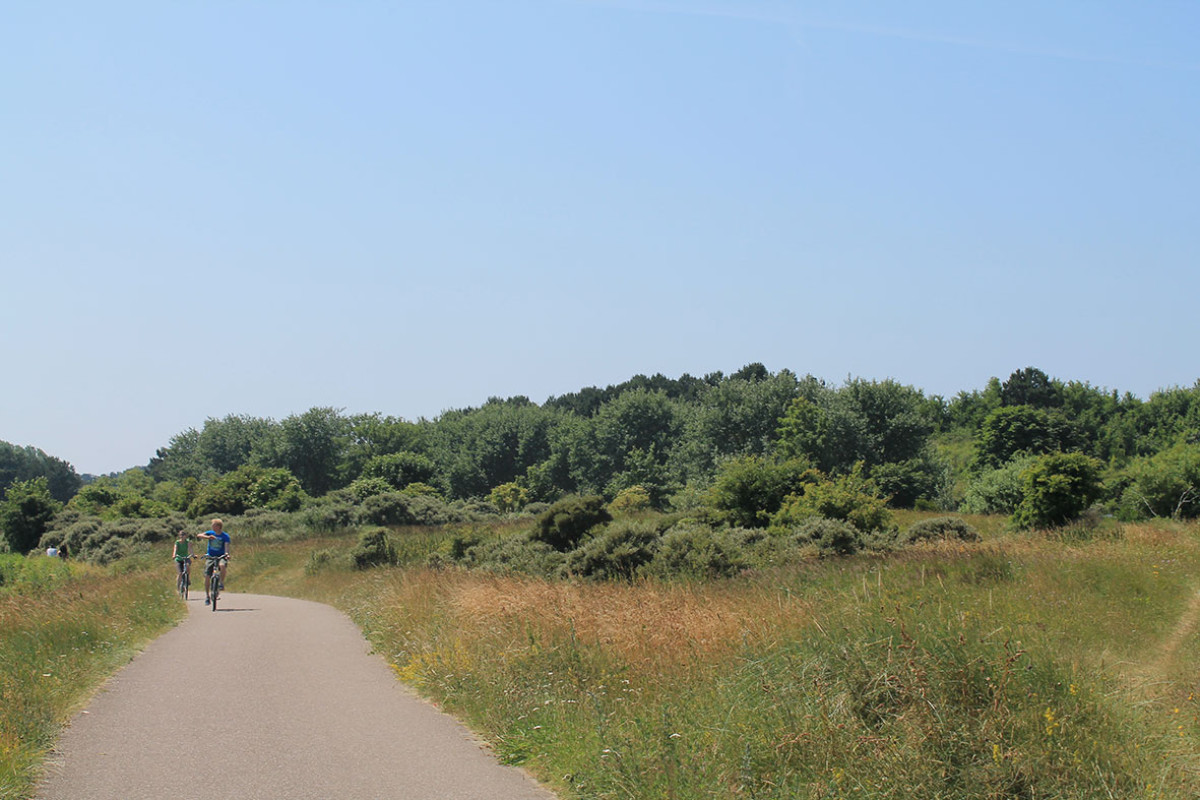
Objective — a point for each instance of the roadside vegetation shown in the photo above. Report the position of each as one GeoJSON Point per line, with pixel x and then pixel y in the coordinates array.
{"type": "Point", "coordinates": [754, 585]}
{"type": "Point", "coordinates": [64, 628]}
{"type": "Point", "coordinates": [1055, 663]}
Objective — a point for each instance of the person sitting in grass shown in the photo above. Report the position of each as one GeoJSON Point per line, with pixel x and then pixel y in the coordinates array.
{"type": "Point", "coordinates": [218, 546]}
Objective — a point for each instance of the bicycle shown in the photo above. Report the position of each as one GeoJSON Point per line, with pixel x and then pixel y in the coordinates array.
{"type": "Point", "coordinates": [212, 571]}
{"type": "Point", "coordinates": [184, 583]}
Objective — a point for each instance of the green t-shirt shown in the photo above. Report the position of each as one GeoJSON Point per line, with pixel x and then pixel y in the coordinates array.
{"type": "Point", "coordinates": [181, 549]}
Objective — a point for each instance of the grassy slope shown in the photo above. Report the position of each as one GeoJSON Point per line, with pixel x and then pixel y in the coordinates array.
{"type": "Point", "coordinates": [1018, 667]}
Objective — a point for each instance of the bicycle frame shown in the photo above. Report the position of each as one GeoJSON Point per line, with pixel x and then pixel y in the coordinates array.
{"type": "Point", "coordinates": [212, 576]}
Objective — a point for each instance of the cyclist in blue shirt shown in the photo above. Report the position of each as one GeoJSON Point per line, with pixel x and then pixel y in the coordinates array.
{"type": "Point", "coordinates": [218, 545]}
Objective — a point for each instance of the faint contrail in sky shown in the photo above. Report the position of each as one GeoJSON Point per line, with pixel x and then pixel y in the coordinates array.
{"type": "Point", "coordinates": [778, 14]}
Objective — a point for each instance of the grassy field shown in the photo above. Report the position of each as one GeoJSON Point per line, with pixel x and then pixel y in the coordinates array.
{"type": "Point", "coordinates": [1021, 666]}
{"type": "Point", "coordinates": [64, 628]}
{"type": "Point", "coordinates": [1030, 666]}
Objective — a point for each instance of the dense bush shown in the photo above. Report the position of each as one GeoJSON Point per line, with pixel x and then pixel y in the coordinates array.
{"type": "Point", "coordinates": [328, 515]}
{"type": "Point", "coordinates": [747, 491]}
{"type": "Point", "coordinates": [374, 549]}
{"type": "Point", "coordinates": [617, 551]}
{"type": "Point", "coordinates": [999, 490]}
{"type": "Point", "coordinates": [830, 536]}
{"type": "Point", "coordinates": [506, 554]}
{"type": "Point", "coordinates": [698, 551]}
{"type": "Point", "coordinates": [388, 508]}
{"type": "Point", "coordinates": [939, 528]}
{"type": "Point", "coordinates": [25, 513]}
{"type": "Point", "coordinates": [109, 552]}
{"type": "Point", "coordinates": [364, 488]}
{"type": "Point", "coordinates": [630, 500]}
{"type": "Point", "coordinates": [401, 469]}
{"type": "Point", "coordinates": [849, 498]}
{"type": "Point", "coordinates": [1056, 489]}
{"type": "Point", "coordinates": [509, 497]}
{"type": "Point", "coordinates": [566, 522]}
{"type": "Point", "coordinates": [248, 487]}
{"type": "Point", "coordinates": [1166, 484]}
{"type": "Point", "coordinates": [904, 483]}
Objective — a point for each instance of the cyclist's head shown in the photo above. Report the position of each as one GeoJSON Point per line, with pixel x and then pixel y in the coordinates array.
{"type": "Point", "coordinates": [183, 534]}
{"type": "Point", "coordinates": [216, 524]}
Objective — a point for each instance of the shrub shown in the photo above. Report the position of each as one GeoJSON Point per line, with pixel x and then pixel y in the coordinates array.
{"type": "Point", "coordinates": [320, 560]}
{"type": "Point", "coordinates": [1056, 489]}
{"type": "Point", "coordinates": [478, 508]}
{"type": "Point", "coordinates": [109, 552]}
{"type": "Point", "coordinates": [26, 512]}
{"type": "Point", "coordinates": [389, 508]}
{"type": "Point", "coordinates": [401, 469]}
{"type": "Point", "coordinates": [630, 501]}
{"type": "Point", "coordinates": [374, 549]}
{"type": "Point", "coordinates": [1166, 484]}
{"type": "Point", "coordinates": [619, 551]}
{"type": "Point", "coordinates": [505, 554]}
{"type": "Point", "coordinates": [566, 522]}
{"type": "Point", "coordinates": [698, 551]}
{"type": "Point", "coordinates": [328, 516]}
{"type": "Point", "coordinates": [849, 498]}
{"type": "Point", "coordinates": [907, 483]}
{"type": "Point", "coordinates": [430, 509]}
{"type": "Point", "coordinates": [997, 491]}
{"type": "Point", "coordinates": [747, 491]}
{"type": "Point", "coordinates": [154, 531]}
{"type": "Point", "coordinates": [508, 497]}
{"type": "Point", "coordinates": [363, 488]}
{"type": "Point", "coordinates": [76, 532]}
{"type": "Point", "coordinates": [939, 528]}
{"type": "Point", "coordinates": [830, 536]}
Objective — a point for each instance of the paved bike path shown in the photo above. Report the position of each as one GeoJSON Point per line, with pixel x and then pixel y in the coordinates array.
{"type": "Point", "coordinates": [305, 714]}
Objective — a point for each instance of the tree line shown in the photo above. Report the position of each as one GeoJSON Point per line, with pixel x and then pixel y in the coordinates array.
{"type": "Point", "coordinates": [754, 437]}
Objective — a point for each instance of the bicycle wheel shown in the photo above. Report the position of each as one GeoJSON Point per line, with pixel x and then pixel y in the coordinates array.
{"type": "Point", "coordinates": [214, 589]}
{"type": "Point", "coordinates": [186, 580]}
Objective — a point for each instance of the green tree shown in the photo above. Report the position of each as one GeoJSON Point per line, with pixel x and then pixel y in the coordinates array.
{"type": "Point", "coordinates": [477, 449]}
{"type": "Point", "coordinates": [566, 522]}
{"type": "Point", "coordinates": [850, 498]}
{"type": "Point", "coordinates": [401, 469]}
{"type": "Point", "coordinates": [1166, 484]}
{"type": "Point", "coordinates": [248, 487]}
{"type": "Point", "coordinates": [27, 463]}
{"type": "Point", "coordinates": [738, 416]}
{"type": "Point", "coordinates": [508, 497]}
{"type": "Point", "coordinates": [1056, 489]}
{"type": "Point", "coordinates": [26, 512]}
{"type": "Point", "coordinates": [1010, 430]}
{"type": "Point", "coordinates": [310, 446]}
{"type": "Point", "coordinates": [1031, 387]}
{"type": "Point", "coordinates": [748, 490]}
{"type": "Point", "coordinates": [373, 435]}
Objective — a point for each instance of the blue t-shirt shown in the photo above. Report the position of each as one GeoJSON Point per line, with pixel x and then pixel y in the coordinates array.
{"type": "Point", "coordinates": [216, 547]}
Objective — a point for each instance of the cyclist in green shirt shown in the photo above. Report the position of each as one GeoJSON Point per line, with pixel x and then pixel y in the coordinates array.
{"type": "Point", "coordinates": [182, 550]}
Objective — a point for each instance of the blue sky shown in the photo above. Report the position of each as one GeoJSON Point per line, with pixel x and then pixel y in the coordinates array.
{"type": "Point", "coordinates": [260, 207]}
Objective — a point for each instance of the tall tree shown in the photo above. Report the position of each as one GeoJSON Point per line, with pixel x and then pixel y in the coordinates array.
{"type": "Point", "coordinates": [25, 513]}
{"type": "Point", "coordinates": [27, 463]}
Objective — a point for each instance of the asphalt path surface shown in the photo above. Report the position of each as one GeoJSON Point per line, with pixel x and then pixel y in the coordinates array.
{"type": "Point", "coordinates": [269, 699]}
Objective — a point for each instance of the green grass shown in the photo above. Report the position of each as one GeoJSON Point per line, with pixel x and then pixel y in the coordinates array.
{"type": "Point", "coordinates": [64, 628]}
